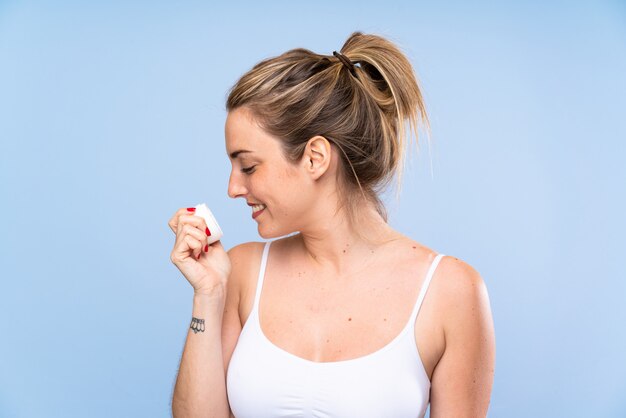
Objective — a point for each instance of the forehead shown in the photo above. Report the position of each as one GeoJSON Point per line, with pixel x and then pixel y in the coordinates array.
{"type": "Point", "coordinates": [242, 133]}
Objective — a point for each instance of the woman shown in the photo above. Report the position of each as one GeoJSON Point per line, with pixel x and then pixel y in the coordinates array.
{"type": "Point", "coordinates": [346, 300]}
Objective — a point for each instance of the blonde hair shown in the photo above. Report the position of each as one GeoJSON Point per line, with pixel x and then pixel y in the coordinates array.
{"type": "Point", "coordinates": [300, 94]}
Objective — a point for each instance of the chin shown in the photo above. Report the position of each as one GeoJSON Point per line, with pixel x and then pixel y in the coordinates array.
{"type": "Point", "coordinates": [272, 233]}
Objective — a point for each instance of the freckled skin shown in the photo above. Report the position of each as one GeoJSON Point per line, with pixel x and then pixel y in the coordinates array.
{"type": "Point", "coordinates": [271, 174]}
{"type": "Point", "coordinates": [457, 305]}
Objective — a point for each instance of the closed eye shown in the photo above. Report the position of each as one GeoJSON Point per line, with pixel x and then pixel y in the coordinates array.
{"type": "Point", "coordinates": [248, 170]}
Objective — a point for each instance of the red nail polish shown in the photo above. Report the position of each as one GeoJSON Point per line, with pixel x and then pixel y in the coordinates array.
{"type": "Point", "coordinates": [206, 248]}
{"type": "Point", "coordinates": [198, 257]}
{"type": "Point", "coordinates": [191, 209]}
{"type": "Point", "coordinates": [208, 232]}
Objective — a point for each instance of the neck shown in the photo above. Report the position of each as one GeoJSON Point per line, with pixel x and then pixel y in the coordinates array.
{"type": "Point", "coordinates": [333, 245]}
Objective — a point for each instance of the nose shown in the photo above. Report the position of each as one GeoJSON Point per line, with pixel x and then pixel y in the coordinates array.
{"type": "Point", "coordinates": [236, 188]}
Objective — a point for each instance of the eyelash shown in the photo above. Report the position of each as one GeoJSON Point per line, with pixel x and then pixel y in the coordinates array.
{"type": "Point", "coordinates": [247, 170]}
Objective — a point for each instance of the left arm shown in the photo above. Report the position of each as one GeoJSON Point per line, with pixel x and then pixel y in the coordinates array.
{"type": "Point", "coordinates": [462, 380]}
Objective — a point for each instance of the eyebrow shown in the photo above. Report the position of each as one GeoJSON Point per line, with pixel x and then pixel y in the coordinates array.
{"type": "Point", "coordinates": [234, 154]}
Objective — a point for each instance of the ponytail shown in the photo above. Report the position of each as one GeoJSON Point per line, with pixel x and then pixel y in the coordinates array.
{"type": "Point", "coordinates": [360, 104]}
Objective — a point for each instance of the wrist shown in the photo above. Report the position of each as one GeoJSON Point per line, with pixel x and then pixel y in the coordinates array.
{"type": "Point", "coordinates": [215, 293]}
{"type": "Point", "coordinates": [208, 305]}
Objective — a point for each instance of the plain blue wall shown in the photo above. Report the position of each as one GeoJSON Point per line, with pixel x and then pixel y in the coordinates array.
{"type": "Point", "coordinates": [112, 117]}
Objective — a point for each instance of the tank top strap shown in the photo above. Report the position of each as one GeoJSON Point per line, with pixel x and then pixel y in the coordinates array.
{"type": "Point", "coordinates": [259, 284]}
{"type": "Point", "coordinates": [422, 294]}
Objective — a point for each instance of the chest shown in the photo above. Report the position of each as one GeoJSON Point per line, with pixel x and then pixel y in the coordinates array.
{"type": "Point", "coordinates": [325, 320]}
{"type": "Point", "coordinates": [332, 322]}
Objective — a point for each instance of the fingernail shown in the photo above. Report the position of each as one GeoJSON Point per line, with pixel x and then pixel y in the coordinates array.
{"type": "Point", "coordinates": [206, 248]}
{"type": "Point", "coordinates": [191, 209]}
{"type": "Point", "coordinates": [208, 232]}
{"type": "Point", "coordinates": [198, 257]}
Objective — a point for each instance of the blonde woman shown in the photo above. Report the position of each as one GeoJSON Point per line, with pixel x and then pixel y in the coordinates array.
{"type": "Point", "coordinates": [337, 314]}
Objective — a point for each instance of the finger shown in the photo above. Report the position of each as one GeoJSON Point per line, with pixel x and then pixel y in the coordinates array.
{"type": "Point", "coordinates": [195, 245]}
{"type": "Point", "coordinates": [173, 222]}
{"type": "Point", "coordinates": [193, 220]}
{"type": "Point", "coordinates": [194, 232]}
{"type": "Point", "coordinates": [186, 245]}
{"type": "Point", "coordinates": [201, 237]}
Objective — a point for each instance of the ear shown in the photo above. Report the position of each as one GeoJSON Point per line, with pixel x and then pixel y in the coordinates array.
{"type": "Point", "coordinates": [317, 156]}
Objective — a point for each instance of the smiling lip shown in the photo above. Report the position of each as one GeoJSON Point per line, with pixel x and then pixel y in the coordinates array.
{"type": "Point", "coordinates": [257, 213]}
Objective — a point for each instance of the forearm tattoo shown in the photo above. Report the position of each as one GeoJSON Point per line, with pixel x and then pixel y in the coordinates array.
{"type": "Point", "coordinates": [197, 325]}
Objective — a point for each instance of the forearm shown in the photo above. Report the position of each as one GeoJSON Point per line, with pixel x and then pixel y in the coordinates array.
{"type": "Point", "coordinates": [200, 389]}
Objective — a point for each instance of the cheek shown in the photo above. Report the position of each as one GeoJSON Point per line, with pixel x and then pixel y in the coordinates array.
{"type": "Point", "coordinates": [294, 175]}
{"type": "Point", "coordinates": [282, 178]}
{"type": "Point", "coordinates": [291, 190]}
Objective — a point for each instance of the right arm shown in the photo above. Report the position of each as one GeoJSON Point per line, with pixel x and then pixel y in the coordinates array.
{"type": "Point", "coordinates": [200, 389]}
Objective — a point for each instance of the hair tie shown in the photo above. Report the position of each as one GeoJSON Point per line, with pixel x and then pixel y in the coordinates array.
{"type": "Point", "coordinates": [346, 62]}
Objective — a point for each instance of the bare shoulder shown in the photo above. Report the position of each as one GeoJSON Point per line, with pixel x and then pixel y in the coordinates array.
{"type": "Point", "coordinates": [241, 254]}
{"type": "Point", "coordinates": [457, 287]}
{"type": "Point", "coordinates": [462, 288]}
{"type": "Point", "coordinates": [463, 377]}
{"type": "Point", "coordinates": [248, 253]}
{"type": "Point", "coordinates": [244, 259]}
{"type": "Point", "coordinates": [460, 276]}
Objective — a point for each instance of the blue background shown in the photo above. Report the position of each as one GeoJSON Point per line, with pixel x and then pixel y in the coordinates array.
{"type": "Point", "coordinates": [112, 117]}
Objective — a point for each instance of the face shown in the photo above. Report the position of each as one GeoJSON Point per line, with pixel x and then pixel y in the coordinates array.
{"type": "Point", "coordinates": [262, 176]}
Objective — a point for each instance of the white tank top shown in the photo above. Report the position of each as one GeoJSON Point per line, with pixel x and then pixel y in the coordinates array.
{"type": "Point", "coordinates": [264, 380]}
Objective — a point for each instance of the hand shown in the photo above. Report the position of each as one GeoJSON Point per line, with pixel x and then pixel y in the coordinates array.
{"type": "Point", "coordinates": [207, 272]}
